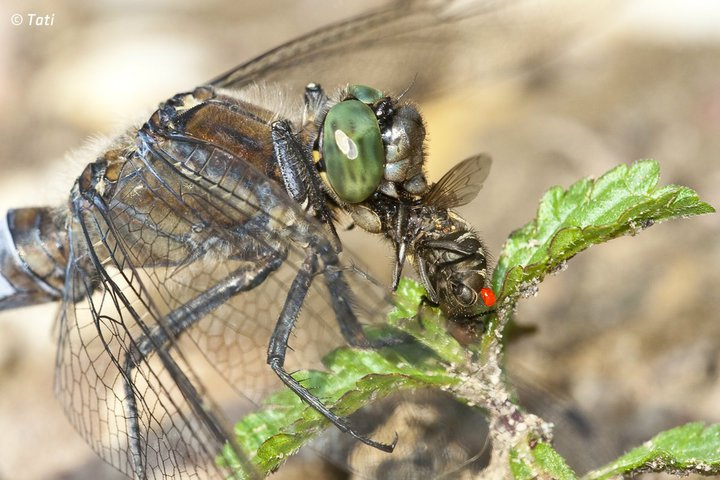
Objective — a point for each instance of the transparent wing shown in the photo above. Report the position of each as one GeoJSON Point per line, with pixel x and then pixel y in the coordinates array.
{"type": "Point", "coordinates": [148, 415]}
{"type": "Point", "coordinates": [443, 438]}
{"type": "Point", "coordinates": [461, 184]}
{"type": "Point", "coordinates": [439, 438]}
{"type": "Point", "coordinates": [429, 45]}
{"type": "Point", "coordinates": [146, 361]}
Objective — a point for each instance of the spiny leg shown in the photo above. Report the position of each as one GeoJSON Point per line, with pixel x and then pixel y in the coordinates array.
{"type": "Point", "coordinates": [299, 174]}
{"type": "Point", "coordinates": [156, 340]}
{"type": "Point", "coordinates": [303, 184]}
{"type": "Point", "coordinates": [350, 327]}
{"type": "Point", "coordinates": [279, 344]}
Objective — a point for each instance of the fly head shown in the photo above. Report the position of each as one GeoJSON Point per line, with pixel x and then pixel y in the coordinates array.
{"type": "Point", "coordinates": [453, 269]}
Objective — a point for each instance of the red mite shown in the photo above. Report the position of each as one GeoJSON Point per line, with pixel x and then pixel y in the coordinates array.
{"type": "Point", "coordinates": [488, 297]}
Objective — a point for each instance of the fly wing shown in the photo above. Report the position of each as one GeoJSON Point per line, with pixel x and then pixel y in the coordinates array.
{"type": "Point", "coordinates": [430, 45]}
{"type": "Point", "coordinates": [176, 326]}
{"type": "Point", "coordinates": [461, 184]}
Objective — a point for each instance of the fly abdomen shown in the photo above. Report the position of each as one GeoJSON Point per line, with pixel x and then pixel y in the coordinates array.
{"type": "Point", "coordinates": [33, 257]}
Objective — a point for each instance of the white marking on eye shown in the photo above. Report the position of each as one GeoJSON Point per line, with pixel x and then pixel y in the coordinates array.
{"type": "Point", "coordinates": [346, 145]}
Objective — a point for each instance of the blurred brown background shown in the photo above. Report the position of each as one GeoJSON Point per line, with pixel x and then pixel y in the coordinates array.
{"type": "Point", "coordinates": [630, 332]}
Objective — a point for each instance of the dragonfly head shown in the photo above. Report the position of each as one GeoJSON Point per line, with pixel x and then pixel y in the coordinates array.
{"type": "Point", "coordinates": [372, 143]}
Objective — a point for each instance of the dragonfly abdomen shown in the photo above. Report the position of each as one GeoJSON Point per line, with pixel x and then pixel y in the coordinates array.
{"type": "Point", "coordinates": [33, 257]}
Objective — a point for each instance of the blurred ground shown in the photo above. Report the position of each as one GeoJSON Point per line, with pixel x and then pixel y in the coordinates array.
{"type": "Point", "coordinates": [630, 331]}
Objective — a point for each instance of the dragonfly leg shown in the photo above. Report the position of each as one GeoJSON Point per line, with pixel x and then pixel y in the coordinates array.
{"type": "Point", "coordinates": [315, 100]}
{"type": "Point", "coordinates": [158, 340]}
{"type": "Point", "coordinates": [299, 174]}
{"type": "Point", "coordinates": [279, 344]}
{"type": "Point", "coordinates": [351, 328]}
{"type": "Point", "coordinates": [303, 184]}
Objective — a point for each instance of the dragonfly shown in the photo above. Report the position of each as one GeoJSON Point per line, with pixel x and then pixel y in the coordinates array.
{"type": "Point", "coordinates": [210, 230]}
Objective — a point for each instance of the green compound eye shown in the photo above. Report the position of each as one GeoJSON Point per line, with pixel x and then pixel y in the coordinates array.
{"type": "Point", "coordinates": [364, 93]}
{"type": "Point", "coordinates": [353, 151]}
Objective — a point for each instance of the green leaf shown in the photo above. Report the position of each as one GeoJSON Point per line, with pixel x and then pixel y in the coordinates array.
{"type": "Point", "coordinates": [355, 377]}
{"type": "Point", "coordinates": [538, 461]}
{"type": "Point", "coordinates": [623, 201]}
{"type": "Point", "coordinates": [520, 468]}
{"type": "Point", "coordinates": [551, 463]}
{"type": "Point", "coordinates": [691, 448]}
